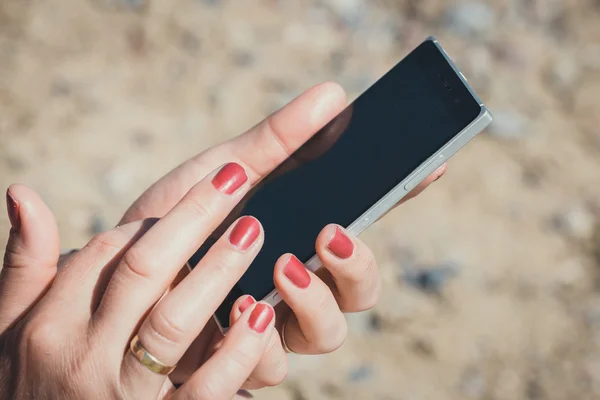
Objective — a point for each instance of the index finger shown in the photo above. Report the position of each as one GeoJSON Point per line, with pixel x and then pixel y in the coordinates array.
{"type": "Point", "coordinates": [259, 150]}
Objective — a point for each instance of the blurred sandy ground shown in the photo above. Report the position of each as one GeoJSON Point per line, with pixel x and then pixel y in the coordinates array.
{"type": "Point", "coordinates": [491, 277]}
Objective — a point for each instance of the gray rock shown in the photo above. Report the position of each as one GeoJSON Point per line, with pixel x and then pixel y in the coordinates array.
{"type": "Point", "coordinates": [508, 125]}
{"type": "Point", "coordinates": [430, 279]}
{"type": "Point", "coordinates": [97, 224]}
{"type": "Point", "coordinates": [577, 222]}
{"type": "Point", "coordinates": [126, 4]}
{"type": "Point", "coordinates": [563, 75]}
{"type": "Point", "coordinates": [351, 12]}
{"type": "Point", "coordinates": [361, 374]}
{"type": "Point", "coordinates": [243, 58]}
{"type": "Point", "coordinates": [363, 322]}
{"type": "Point", "coordinates": [470, 19]}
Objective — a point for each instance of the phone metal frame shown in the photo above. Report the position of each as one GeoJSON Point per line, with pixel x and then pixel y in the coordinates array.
{"type": "Point", "coordinates": [403, 188]}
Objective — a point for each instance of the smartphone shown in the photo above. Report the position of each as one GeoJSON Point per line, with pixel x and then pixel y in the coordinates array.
{"type": "Point", "coordinates": [359, 166]}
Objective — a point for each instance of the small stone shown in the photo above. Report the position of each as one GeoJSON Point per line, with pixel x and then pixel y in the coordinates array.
{"type": "Point", "coordinates": [97, 224]}
{"type": "Point", "coordinates": [361, 374]}
{"type": "Point", "coordinates": [576, 223]}
{"type": "Point", "coordinates": [363, 322]}
{"type": "Point", "coordinates": [60, 88]}
{"type": "Point", "coordinates": [508, 125]}
{"type": "Point", "coordinates": [470, 19]}
{"type": "Point", "coordinates": [142, 139]}
{"type": "Point", "coordinates": [562, 75]}
{"type": "Point", "coordinates": [243, 58]}
{"type": "Point", "coordinates": [351, 12]}
{"type": "Point", "coordinates": [592, 313]}
{"type": "Point", "coordinates": [15, 162]}
{"type": "Point", "coordinates": [127, 4]}
{"type": "Point", "coordinates": [430, 279]}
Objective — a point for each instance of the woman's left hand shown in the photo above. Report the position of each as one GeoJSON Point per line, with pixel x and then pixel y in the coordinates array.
{"type": "Point", "coordinates": [312, 318]}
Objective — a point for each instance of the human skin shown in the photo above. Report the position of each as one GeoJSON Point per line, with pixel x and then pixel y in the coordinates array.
{"type": "Point", "coordinates": [314, 303]}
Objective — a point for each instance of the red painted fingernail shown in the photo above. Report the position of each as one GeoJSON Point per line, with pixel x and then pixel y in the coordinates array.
{"type": "Point", "coordinates": [13, 211]}
{"type": "Point", "coordinates": [244, 233]}
{"type": "Point", "coordinates": [295, 271]}
{"type": "Point", "coordinates": [261, 318]}
{"type": "Point", "coordinates": [248, 301]}
{"type": "Point", "coordinates": [341, 245]}
{"type": "Point", "coordinates": [230, 178]}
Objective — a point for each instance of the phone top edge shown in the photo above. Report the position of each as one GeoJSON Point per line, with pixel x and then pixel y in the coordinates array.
{"type": "Point", "coordinates": [457, 71]}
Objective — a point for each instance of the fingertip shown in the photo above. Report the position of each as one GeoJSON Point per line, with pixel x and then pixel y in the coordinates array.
{"type": "Point", "coordinates": [326, 235]}
{"type": "Point", "coordinates": [259, 317]}
{"type": "Point", "coordinates": [36, 223]}
{"type": "Point", "coordinates": [334, 88]}
{"type": "Point", "coordinates": [438, 173]}
{"type": "Point", "coordinates": [242, 304]}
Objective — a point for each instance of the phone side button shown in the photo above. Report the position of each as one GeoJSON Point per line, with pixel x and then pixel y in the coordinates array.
{"type": "Point", "coordinates": [420, 176]}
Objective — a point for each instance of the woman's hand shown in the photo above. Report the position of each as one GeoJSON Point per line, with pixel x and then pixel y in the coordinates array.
{"type": "Point", "coordinates": [350, 282]}
{"type": "Point", "coordinates": [67, 335]}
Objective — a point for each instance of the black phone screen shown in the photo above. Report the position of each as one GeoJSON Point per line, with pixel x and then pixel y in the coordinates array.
{"type": "Point", "coordinates": [367, 150]}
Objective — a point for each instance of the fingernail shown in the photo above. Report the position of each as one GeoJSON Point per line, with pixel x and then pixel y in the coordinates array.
{"type": "Point", "coordinates": [295, 271]}
{"type": "Point", "coordinates": [230, 178]}
{"type": "Point", "coordinates": [341, 245]}
{"type": "Point", "coordinates": [260, 318]}
{"type": "Point", "coordinates": [13, 211]}
{"type": "Point", "coordinates": [248, 301]}
{"type": "Point", "coordinates": [244, 233]}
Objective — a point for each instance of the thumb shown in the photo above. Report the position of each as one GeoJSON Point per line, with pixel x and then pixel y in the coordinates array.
{"type": "Point", "coordinates": [31, 254]}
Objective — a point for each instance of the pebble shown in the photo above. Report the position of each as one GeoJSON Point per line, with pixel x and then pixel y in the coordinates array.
{"type": "Point", "coordinates": [97, 224]}
{"type": "Point", "coordinates": [363, 322]}
{"type": "Point", "coordinates": [128, 4]}
{"type": "Point", "coordinates": [577, 222]}
{"type": "Point", "coordinates": [361, 374]}
{"type": "Point", "coordinates": [562, 75]}
{"type": "Point", "coordinates": [243, 58]}
{"type": "Point", "coordinates": [351, 12]}
{"type": "Point", "coordinates": [592, 313]}
{"type": "Point", "coordinates": [508, 125]}
{"type": "Point", "coordinates": [470, 19]}
{"type": "Point", "coordinates": [430, 279]}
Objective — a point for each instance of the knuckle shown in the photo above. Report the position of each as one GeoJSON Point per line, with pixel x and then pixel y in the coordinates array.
{"type": "Point", "coordinates": [277, 137]}
{"type": "Point", "coordinates": [138, 264]}
{"type": "Point", "coordinates": [164, 328]}
{"type": "Point", "coordinates": [208, 390]}
{"type": "Point", "coordinates": [40, 336]}
{"type": "Point", "coordinates": [368, 266]}
{"type": "Point", "coordinates": [108, 241]}
{"type": "Point", "coordinates": [199, 209]}
{"type": "Point", "coordinates": [240, 359]}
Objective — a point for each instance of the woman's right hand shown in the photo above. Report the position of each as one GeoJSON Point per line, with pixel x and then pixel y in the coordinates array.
{"type": "Point", "coordinates": [69, 337]}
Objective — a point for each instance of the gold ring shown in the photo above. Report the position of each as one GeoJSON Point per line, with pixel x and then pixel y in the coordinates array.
{"type": "Point", "coordinates": [147, 359]}
{"type": "Point", "coordinates": [286, 348]}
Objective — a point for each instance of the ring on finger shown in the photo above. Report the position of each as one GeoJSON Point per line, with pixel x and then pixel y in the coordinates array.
{"type": "Point", "coordinates": [286, 348]}
{"type": "Point", "coordinates": [147, 359]}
